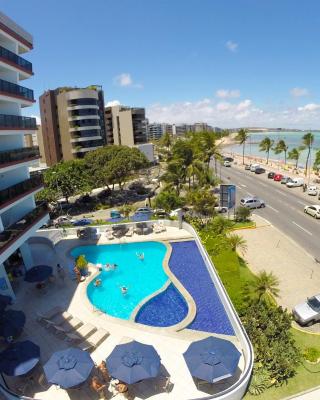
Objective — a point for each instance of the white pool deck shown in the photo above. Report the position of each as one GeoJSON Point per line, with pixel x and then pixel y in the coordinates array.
{"type": "Point", "coordinates": [72, 298]}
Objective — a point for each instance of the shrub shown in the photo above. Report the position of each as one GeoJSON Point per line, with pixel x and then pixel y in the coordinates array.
{"type": "Point", "coordinates": [168, 200]}
{"type": "Point", "coordinates": [311, 354]}
{"type": "Point", "coordinates": [260, 381]}
{"type": "Point", "coordinates": [242, 214]}
{"type": "Point", "coordinates": [81, 262]}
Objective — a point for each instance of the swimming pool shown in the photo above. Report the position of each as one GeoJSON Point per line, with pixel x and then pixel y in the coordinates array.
{"type": "Point", "coordinates": [141, 277]}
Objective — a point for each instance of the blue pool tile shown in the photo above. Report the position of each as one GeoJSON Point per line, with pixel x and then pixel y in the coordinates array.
{"type": "Point", "coordinates": [166, 309]}
{"type": "Point", "coordinates": [188, 266]}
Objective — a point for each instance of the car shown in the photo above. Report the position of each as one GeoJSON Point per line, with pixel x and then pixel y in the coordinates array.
{"type": "Point", "coordinates": [285, 180]}
{"type": "Point", "coordinates": [271, 175]}
{"type": "Point", "coordinates": [227, 163]}
{"type": "Point", "coordinates": [277, 177]}
{"type": "Point", "coordinates": [144, 210]}
{"type": "Point", "coordinates": [253, 167]}
{"type": "Point", "coordinates": [230, 159]}
{"type": "Point", "coordinates": [295, 182]}
{"type": "Point", "coordinates": [307, 313]}
{"type": "Point", "coordinates": [160, 213]}
{"type": "Point", "coordinates": [221, 210]}
{"type": "Point", "coordinates": [252, 202]}
{"type": "Point", "coordinates": [259, 171]}
{"type": "Point", "coordinates": [82, 222]}
{"type": "Point", "coordinates": [247, 167]}
{"type": "Point", "coordinates": [312, 190]}
{"type": "Point", "coordinates": [63, 220]}
{"type": "Point", "coordinates": [313, 210]}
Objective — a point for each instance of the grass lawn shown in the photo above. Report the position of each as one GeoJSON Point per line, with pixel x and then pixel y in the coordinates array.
{"type": "Point", "coordinates": [241, 225]}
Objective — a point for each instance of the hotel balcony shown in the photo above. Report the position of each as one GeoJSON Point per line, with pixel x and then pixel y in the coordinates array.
{"type": "Point", "coordinates": [9, 58]}
{"type": "Point", "coordinates": [20, 190]}
{"type": "Point", "coordinates": [15, 231]}
{"type": "Point", "coordinates": [12, 90]}
{"type": "Point", "coordinates": [18, 156]}
{"type": "Point", "coordinates": [16, 122]}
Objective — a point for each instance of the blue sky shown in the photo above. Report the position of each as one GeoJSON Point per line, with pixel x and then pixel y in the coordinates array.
{"type": "Point", "coordinates": [230, 63]}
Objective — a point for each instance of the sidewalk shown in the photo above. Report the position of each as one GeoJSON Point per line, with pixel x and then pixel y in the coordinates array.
{"type": "Point", "coordinates": [271, 250]}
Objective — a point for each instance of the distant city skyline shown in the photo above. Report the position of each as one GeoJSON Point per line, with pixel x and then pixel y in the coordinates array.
{"type": "Point", "coordinates": [229, 64]}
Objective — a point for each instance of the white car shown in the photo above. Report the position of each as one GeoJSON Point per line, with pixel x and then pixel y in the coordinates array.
{"type": "Point", "coordinates": [144, 210]}
{"type": "Point", "coordinates": [227, 163]}
{"type": "Point", "coordinates": [252, 202]}
{"type": "Point", "coordinates": [313, 210]}
{"type": "Point", "coordinates": [312, 190]}
{"type": "Point", "coordinates": [309, 312]}
{"type": "Point", "coordinates": [64, 220]}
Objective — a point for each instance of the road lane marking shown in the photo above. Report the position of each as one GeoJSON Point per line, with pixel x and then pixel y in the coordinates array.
{"type": "Point", "coordinates": [243, 185]}
{"type": "Point", "coordinates": [299, 226]}
{"type": "Point", "coordinates": [263, 184]}
{"type": "Point", "coordinates": [250, 194]}
{"type": "Point", "coordinates": [272, 208]}
{"type": "Point", "coordinates": [282, 194]}
{"type": "Point", "coordinates": [300, 202]}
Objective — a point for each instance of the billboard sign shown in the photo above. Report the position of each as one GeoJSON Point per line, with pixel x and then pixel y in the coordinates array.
{"type": "Point", "coordinates": [227, 196]}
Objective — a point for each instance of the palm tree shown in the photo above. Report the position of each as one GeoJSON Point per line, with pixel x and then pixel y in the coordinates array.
{"type": "Point", "coordinates": [236, 242]}
{"type": "Point", "coordinates": [295, 153]}
{"type": "Point", "coordinates": [265, 285]}
{"type": "Point", "coordinates": [316, 164]}
{"type": "Point", "coordinates": [266, 145]}
{"type": "Point", "coordinates": [241, 138]}
{"type": "Point", "coordinates": [307, 141]}
{"type": "Point", "coordinates": [281, 147]}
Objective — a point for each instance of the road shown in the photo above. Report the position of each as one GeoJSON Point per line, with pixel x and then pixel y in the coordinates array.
{"type": "Point", "coordinates": [284, 206]}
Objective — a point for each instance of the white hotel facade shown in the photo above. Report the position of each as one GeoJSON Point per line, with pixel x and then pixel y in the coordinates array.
{"type": "Point", "coordinates": [20, 217]}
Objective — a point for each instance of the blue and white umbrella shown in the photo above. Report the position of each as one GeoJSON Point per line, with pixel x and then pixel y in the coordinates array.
{"type": "Point", "coordinates": [19, 358]}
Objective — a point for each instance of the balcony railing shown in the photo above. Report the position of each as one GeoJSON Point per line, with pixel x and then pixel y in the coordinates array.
{"type": "Point", "coordinates": [18, 155]}
{"type": "Point", "coordinates": [16, 90]}
{"type": "Point", "coordinates": [13, 232]}
{"type": "Point", "coordinates": [17, 122]}
{"type": "Point", "coordinates": [20, 190]}
{"type": "Point", "coordinates": [15, 59]}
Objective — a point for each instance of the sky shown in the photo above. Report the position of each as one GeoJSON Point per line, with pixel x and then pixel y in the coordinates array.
{"type": "Point", "coordinates": [229, 63]}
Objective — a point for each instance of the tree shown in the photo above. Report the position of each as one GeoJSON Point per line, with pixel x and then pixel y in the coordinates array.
{"type": "Point", "coordinates": [265, 285]}
{"type": "Point", "coordinates": [269, 329]}
{"type": "Point", "coordinates": [219, 225]}
{"type": "Point", "coordinates": [307, 141]}
{"type": "Point", "coordinates": [175, 174]}
{"type": "Point", "coordinates": [295, 153]}
{"type": "Point", "coordinates": [316, 164]}
{"type": "Point", "coordinates": [168, 200]}
{"type": "Point", "coordinates": [281, 147]}
{"type": "Point", "coordinates": [126, 209]}
{"type": "Point", "coordinates": [166, 140]}
{"type": "Point", "coordinates": [241, 138]}
{"type": "Point", "coordinates": [242, 214]}
{"type": "Point", "coordinates": [236, 242]}
{"type": "Point", "coordinates": [203, 202]}
{"type": "Point", "coordinates": [266, 145]}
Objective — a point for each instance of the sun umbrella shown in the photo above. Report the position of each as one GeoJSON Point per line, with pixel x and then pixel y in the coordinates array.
{"type": "Point", "coordinates": [134, 361]}
{"type": "Point", "coordinates": [19, 358]}
{"type": "Point", "coordinates": [12, 323]}
{"type": "Point", "coordinates": [39, 273]}
{"type": "Point", "coordinates": [212, 359]}
{"type": "Point", "coordinates": [68, 368]}
{"type": "Point", "coordinates": [4, 301]}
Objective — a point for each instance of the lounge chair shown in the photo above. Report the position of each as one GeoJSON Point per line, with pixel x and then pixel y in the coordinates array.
{"type": "Point", "coordinates": [60, 318]}
{"type": "Point", "coordinates": [94, 340]}
{"type": "Point", "coordinates": [157, 228]}
{"type": "Point", "coordinates": [81, 333]}
{"type": "Point", "coordinates": [109, 235]}
{"type": "Point", "coordinates": [67, 326]}
{"type": "Point", "coordinates": [130, 232]}
{"type": "Point", "coordinates": [162, 226]}
{"type": "Point", "coordinates": [48, 315]}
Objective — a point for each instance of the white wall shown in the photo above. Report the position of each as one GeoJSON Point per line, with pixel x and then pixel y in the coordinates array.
{"type": "Point", "coordinates": [148, 150]}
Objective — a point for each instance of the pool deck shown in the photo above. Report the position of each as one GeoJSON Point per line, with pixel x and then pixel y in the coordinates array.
{"type": "Point", "coordinates": [71, 297]}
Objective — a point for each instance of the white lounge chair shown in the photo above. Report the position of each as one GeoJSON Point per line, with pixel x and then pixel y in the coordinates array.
{"type": "Point", "coordinates": [81, 333]}
{"type": "Point", "coordinates": [130, 232]}
{"type": "Point", "coordinates": [157, 228]}
{"type": "Point", "coordinates": [59, 318]}
{"type": "Point", "coordinates": [162, 226]}
{"type": "Point", "coordinates": [109, 235]}
{"type": "Point", "coordinates": [94, 340]}
{"type": "Point", "coordinates": [48, 314]}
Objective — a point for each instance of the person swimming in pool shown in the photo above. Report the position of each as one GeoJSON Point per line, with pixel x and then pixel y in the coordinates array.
{"type": "Point", "coordinates": [124, 290]}
{"type": "Point", "coordinates": [97, 282]}
{"type": "Point", "coordinates": [140, 256]}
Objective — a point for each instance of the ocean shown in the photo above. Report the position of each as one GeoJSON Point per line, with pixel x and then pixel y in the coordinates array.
{"type": "Point", "coordinates": [292, 139]}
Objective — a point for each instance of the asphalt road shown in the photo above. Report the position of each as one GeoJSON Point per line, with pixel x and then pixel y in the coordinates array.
{"type": "Point", "coordinates": [284, 206]}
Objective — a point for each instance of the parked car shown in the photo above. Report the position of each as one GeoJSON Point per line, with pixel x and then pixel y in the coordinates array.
{"type": "Point", "coordinates": [82, 222]}
{"type": "Point", "coordinates": [313, 210]}
{"type": "Point", "coordinates": [63, 220]}
{"type": "Point", "coordinates": [253, 167]}
{"type": "Point", "coordinates": [271, 175]}
{"type": "Point", "coordinates": [160, 213]}
{"type": "Point", "coordinates": [230, 159]}
{"type": "Point", "coordinates": [285, 180]}
{"type": "Point", "coordinates": [144, 210]}
{"type": "Point", "coordinates": [247, 167]}
{"type": "Point", "coordinates": [277, 177]}
{"type": "Point", "coordinates": [252, 202]}
{"type": "Point", "coordinates": [221, 209]}
{"type": "Point", "coordinates": [307, 313]}
{"type": "Point", "coordinates": [259, 171]}
{"type": "Point", "coordinates": [312, 190]}
{"type": "Point", "coordinates": [227, 163]}
{"type": "Point", "coordinates": [295, 182]}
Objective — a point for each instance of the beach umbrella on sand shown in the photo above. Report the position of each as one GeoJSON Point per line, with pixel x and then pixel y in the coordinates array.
{"type": "Point", "coordinates": [134, 361]}
{"type": "Point", "coordinates": [212, 359]}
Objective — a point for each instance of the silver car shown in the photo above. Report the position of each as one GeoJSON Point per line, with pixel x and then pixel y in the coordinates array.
{"type": "Point", "coordinates": [309, 312]}
{"type": "Point", "coordinates": [313, 210]}
{"type": "Point", "coordinates": [252, 202]}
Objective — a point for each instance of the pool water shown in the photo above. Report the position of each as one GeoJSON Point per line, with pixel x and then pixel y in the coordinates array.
{"type": "Point", "coordinates": [141, 277]}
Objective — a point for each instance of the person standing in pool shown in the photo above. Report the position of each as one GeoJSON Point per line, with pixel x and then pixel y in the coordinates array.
{"type": "Point", "coordinates": [124, 290]}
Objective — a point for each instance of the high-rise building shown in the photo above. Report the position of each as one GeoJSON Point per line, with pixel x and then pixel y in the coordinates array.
{"type": "Point", "coordinates": [156, 131]}
{"type": "Point", "coordinates": [72, 122]}
{"type": "Point", "coordinates": [20, 217]}
{"type": "Point", "coordinates": [125, 125]}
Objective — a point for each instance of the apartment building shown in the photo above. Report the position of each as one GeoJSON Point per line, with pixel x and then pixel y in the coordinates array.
{"type": "Point", "coordinates": [156, 131]}
{"type": "Point", "coordinates": [20, 217]}
{"type": "Point", "coordinates": [72, 122]}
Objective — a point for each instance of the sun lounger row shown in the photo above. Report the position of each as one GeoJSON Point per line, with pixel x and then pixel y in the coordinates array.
{"type": "Point", "coordinates": [140, 229]}
{"type": "Point", "coordinates": [72, 329]}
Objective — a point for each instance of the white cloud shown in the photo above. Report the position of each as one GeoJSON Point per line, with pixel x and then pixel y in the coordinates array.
{"type": "Point", "coordinates": [125, 80]}
{"type": "Point", "coordinates": [37, 119]}
{"type": "Point", "coordinates": [232, 46]}
{"type": "Point", "coordinates": [113, 103]}
{"type": "Point", "coordinates": [230, 115]}
{"type": "Point", "coordinates": [225, 94]}
{"type": "Point", "coordinates": [299, 92]}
